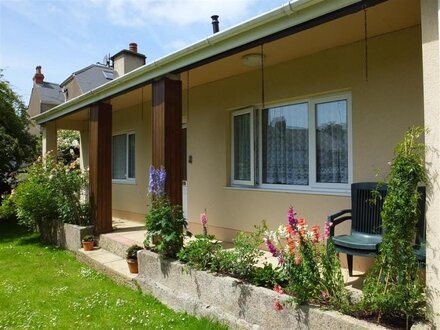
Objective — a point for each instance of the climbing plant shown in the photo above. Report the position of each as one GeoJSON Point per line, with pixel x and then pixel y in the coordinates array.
{"type": "Point", "coordinates": [394, 287]}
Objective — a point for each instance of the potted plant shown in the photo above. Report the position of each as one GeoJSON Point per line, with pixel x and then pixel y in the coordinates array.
{"type": "Point", "coordinates": [88, 242]}
{"type": "Point", "coordinates": [132, 258]}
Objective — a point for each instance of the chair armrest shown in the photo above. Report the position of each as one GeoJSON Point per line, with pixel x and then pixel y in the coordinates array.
{"type": "Point", "coordinates": [337, 218]}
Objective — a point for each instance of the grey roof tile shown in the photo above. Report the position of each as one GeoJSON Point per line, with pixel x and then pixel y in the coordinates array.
{"type": "Point", "coordinates": [50, 93]}
{"type": "Point", "coordinates": [91, 77]}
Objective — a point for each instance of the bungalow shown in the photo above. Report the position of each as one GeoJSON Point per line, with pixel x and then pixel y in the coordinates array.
{"type": "Point", "coordinates": [288, 108]}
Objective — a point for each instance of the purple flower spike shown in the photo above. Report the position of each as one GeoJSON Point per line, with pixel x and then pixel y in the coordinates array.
{"type": "Point", "coordinates": [291, 217]}
{"type": "Point", "coordinates": [272, 249]}
{"type": "Point", "coordinates": [156, 185]}
{"type": "Point", "coordinates": [152, 181]}
{"type": "Point", "coordinates": [161, 176]}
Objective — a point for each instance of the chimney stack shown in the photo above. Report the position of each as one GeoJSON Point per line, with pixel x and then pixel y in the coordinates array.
{"type": "Point", "coordinates": [38, 77]}
{"type": "Point", "coordinates": [215, 24]}
{"type": "Point", "coordinates": [127, 60]}
{"type": "Point", "coordinates": [133, 47]}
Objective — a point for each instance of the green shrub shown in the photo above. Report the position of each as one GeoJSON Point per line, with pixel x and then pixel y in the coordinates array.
{"type": "Point", "coordinates": [199, 253]}
{"type": "Point", "coordinates": [393, 286]}
{"type": "Point", "coordinates": [268, 277]}
{"type": "Point", "coordinates": [240, 261]}
{"type": "Point", "coordinates": [50, 193]}
{"type": "Point", "coordinates": [165, 223]}
{"type": "Point", "coordinates": [8, 210]}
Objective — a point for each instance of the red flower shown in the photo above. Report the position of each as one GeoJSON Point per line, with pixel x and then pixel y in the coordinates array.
{"type": "Point", "coordinates": [278, 288]}
{"type": "Point", "coordinates": [277, 306]}
{"type": "Point", "coordinates": [315, 231]}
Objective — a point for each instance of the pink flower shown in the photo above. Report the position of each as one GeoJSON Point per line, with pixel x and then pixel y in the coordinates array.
{"type": "Point", "coordinates": [327, 226]}
{"type": "Point", "coordinates": [203, 219]}
{"type": "Point", "coordinates": [204, 222]}
{"type": "Point", "coordinates": [297, 260]}
{"type": "Point", "coordinates": [277, 306]}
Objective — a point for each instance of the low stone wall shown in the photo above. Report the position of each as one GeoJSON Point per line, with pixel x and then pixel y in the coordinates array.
{"type": "Point", "coordinates": [70, 236]}
{"type": "Point", "coordinates": [239, 305]}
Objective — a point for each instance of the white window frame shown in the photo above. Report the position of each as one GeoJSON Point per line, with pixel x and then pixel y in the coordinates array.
{"type": "Point", "coordinates": [312, 138]}
{"type": "Point", "coordinates": [127, 180]}
{"type": "Point", "coordinates": [234, 114]}
{"type": "Point", "coordinates": [313, 186]}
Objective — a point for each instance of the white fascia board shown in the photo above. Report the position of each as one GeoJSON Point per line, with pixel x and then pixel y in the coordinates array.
{"type": "Point", "coordinates": [288, 15]}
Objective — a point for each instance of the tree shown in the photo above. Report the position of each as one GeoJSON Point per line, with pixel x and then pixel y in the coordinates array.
{"type": "Point", "coordinates": [17, 145]}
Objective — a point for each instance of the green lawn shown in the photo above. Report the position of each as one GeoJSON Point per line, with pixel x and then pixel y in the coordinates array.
{"type": "Point", "coordinates": [42, 287]}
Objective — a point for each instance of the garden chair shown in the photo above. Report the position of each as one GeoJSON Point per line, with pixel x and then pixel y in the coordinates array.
{"type": "Point", "coordinates": [366, 222]}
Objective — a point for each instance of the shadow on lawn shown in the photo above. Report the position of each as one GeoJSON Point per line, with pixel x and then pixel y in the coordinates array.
{"type": "Point", "coordinates": [11, 232]}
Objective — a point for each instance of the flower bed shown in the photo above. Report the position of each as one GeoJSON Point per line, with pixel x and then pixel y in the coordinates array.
{"type": "Point", "coordinates": [230, 300]}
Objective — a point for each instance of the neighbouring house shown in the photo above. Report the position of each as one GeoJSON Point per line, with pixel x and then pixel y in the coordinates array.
{"type": "Point", "coordinates": [44, 96]}
{"type": "Point", "coordinates": [288, 108]}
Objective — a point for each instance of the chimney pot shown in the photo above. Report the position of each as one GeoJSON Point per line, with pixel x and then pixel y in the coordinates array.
{"type": "Point", "coordinates": [38, 77]}
{"type": "Point", "coordinates": [133, 47]}
{"type": "Point", "coordinates": [215, 24]}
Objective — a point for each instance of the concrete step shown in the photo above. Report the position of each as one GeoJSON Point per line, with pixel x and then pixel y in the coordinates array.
{"type": "Point", "coordinates": [118, 242]}
{"type": "Point", "coordinates": [109, 264]}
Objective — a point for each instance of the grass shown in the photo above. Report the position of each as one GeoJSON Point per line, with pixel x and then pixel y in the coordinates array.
{"type": "Point", "coordinates": [42, 287]}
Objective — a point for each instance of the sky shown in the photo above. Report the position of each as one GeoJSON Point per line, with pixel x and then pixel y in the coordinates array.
{"type": "Point", "coordinates": [64, 36]}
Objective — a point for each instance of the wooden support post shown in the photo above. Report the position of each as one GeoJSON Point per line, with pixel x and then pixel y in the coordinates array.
{"type": "Point", "coordinates": [100, 164]}
{"type": "Point", "coordinates": [167, 134]}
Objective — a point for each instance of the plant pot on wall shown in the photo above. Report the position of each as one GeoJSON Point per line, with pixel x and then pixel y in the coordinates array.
{"type": "Point", "coordinates": [132, 266]}
{"type": "Point", "coordinates": [88, 242]}
{"type": "Point", "coordinates": [132, 261]}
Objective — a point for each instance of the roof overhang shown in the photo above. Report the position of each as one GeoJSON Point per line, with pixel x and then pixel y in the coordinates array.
{"type": "Point", "coordinates": [274, 24]}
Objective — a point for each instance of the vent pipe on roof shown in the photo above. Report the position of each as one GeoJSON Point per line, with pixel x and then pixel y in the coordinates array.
{"type": "Point", "coordinates": [215, 24]}
{"type": "Point", "coordinates": [38, 77]}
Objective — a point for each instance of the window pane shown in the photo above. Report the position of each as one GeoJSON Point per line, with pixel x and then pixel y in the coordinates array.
{"type": "Point", "coordinates": [242, 147]}
{"type": "Point", "coordinates": [119, 154]}
{"type": "Point", "coordinates": [286, 145]}
{"type": "Point", "coordinates": [131, 156]}
{"type": "Point", "coordinates": [331, 142]}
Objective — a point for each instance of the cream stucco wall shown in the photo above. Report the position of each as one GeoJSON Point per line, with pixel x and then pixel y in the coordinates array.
{"type": "Point", "coordinates": [431, 83]}
{"type": "Point", "coordinates": [130, 200]}
{"type": "Point", "coordinates": [382, 109]}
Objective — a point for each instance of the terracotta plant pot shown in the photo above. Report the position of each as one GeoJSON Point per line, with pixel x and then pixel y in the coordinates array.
{"type": "Point", "coordinates": [88, 246]}
{"type": "Point", "coordinates": [132, 265]}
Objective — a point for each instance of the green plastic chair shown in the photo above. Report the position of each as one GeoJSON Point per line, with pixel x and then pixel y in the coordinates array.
{"type": "Point", "coordinates": [366, 223]}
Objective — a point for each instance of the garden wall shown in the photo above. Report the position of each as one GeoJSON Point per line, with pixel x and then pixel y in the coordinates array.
{"type": "Point", "coordinates": [241, 306]}
{"type": "Point", "coordinates": [70, 236]}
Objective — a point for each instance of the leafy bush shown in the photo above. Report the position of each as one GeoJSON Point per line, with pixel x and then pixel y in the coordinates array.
{"type": "Point", "coordinates": [268, 277]}
{"type": "Point", "coordinates": [313, 269]}
{"type": "Point", "coordinates": [393, 286]}
{"type": "Point", "coordinates": [8, 210]}
{"type": "Point", "coordinates": [68, 146]}
{"type": "Point", "coordinates": [49, 193]}
{"type": "Point", "coordinates": [200, 252]}
{"type": "Point", "coordinates": [164, 222]}
{"type": "Point", "coordinates": [241, 260]}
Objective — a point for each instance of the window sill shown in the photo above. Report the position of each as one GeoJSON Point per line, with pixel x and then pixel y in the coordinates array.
{"type": "Point", "coordinates": [308, 191]}
{"type": "Point", "coordinates": [129, 182]}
